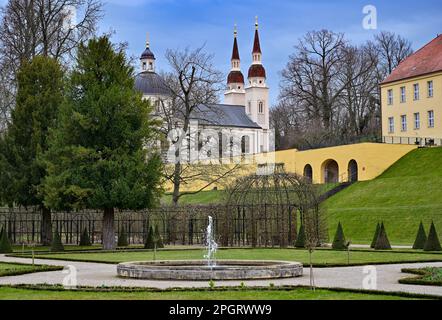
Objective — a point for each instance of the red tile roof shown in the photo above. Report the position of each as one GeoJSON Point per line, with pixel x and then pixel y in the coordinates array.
{"type": "Point", "coordinates": [257, 70]}
{"type": "Point", "coordinates": [235, 77]}
{"type": "Point", "coordinates": [235, 52]}
{"type": "Point", "coordinates": [256, 45]}
{"type": "Point", "coordinates": [424, 61]}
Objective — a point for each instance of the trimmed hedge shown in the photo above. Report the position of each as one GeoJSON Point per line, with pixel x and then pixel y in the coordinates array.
{"type": "Point", "coordinates": [421, 238]}
{"type": "Point", "coordinates": [5, 244]}
{"type": "Point", "coordinates": [158, 238]}
{"type": "Point", "coordinates": [432, 243]}
{"type": "Point", "coordinates": [122, 238]}
{"type": "Point", "coordinates": [149, 244]}
{"type": "Point", "coordinates": [300, 239]}
{"type": "Point", "coordinates": [382, 242]}
{"type": "Point", "coordinates": [339, 240]}
{"type": "Point", "coordinates": [56, 245]}
{"type": "Point", "coordinates": [376, 235]}
{"type": "Point", "coordinates": [85, 240]}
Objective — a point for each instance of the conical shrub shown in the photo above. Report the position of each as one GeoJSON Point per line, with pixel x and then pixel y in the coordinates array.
{"type": "Point", "coordinates": [56, 245]}
{"type": "Point", "coordinates": [382, 242]}
{"type": "Point", "coordinates": [339, 240]}
{"type": "Point", "coordinates": [85, 240]}
{"type": "Point", "coordinates": [300, 239]}
{"type": "Point", "coordinates": [149, 244]}
{"type": "Point", "coordinates": [158, 238]}
{"type": "Point", "coordinates": [122, 238]}
{"type": "Point", "coordinates": [5, 244]}
{"type": "Point", "coordinates": [432, 243]}
{"type": "Point", "coordinates": [421, 238]}
{"type": "Point", "coordinates": [376, 235]}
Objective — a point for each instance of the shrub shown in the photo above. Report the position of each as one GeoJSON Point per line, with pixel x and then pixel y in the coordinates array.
{"type": "Point", "coordinates": [382, 242]}
{"type": "Point", "coordinates": [5, 245]}
{"type": "Point", "coordinates": [122, 238]}
{"type": "Point", "coordinates": [149, 244]}
{"type": "Point", "coordinates": [376, 235]}
{"type": "Point", "coordinates": [56, 245]}
{"type": "Point", "coordinates": [85, 240]}
{"type": "Point", "coordinates": [158, 238]}
{"type": "Point", "coordinates": [421, 238]}
{"type": "Point", "coordinates": [300, 239]}
{"type": "Point", "coordinates": [432, 243]}
{"type": "Point", "coordinates": [339, 240]}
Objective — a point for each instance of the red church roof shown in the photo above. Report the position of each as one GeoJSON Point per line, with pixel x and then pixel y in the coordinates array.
{"type": "Point", "coordinates": [424, 61]}
{"type": "Point", "coordinates": [235, 52]}
{"type": "Point", "coordinates": [256, 45]}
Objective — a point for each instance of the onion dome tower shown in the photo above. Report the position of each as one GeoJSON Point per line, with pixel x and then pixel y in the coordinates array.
{"type": "Point", "coordinates": [235, 94]}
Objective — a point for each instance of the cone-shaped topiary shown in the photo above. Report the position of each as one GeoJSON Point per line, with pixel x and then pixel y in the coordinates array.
{"type": "Point", "coordinates": [376, 235]}
{"type": "Point", "coordinates": [339, 240]}
{"type": "Point", "coordinates": [382, 242]}
{"type": "Point", "coordinates": [300, 239]}
{"type": "Point", "coordinates": [158, 238]}
{"type": "Point", "coordinates": [421, 238]}
{"type": "Point", "coordinates": [150, 244]}
{"type": "Point", "coordinates": [56, 245]}
{"type": "Point", "coordinates": [122, 238]}
{"type": "Point", "coordinates": [5, 245]}
{"type": "Point", "coordinates": [432, 243]}
{"type": "Point", "coordinates": [85, 240]}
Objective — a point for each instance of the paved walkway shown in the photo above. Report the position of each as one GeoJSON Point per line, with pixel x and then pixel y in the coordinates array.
{"type": "Point", "coordinates": [99, 274]}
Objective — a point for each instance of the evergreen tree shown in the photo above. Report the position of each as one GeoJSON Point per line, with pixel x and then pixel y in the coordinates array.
{"type": "Point", "coordinates": [122, 238]}
{"type": "Point", "coordinates": [56, 245]}
{"type": "Point", "coordinates": [382, 242]}
{"type": "Point", "coordinates": [421, 238]}
{"type": "Point", "coordinates": [339, 240]}
{"type": "Point", "coordinates": [432, 243]}
{"type": "Point", "coordinates": [376, 235]}
{"type": "Point", "coordinates": [97, 157]}
{"type": "Point", "coordinates": [300, 239]}
{"type": "Point", "coordinates": [158, 239]}
{"type": "Point", "coordinates": [5, 244]}
{"type": "Point", "coordinates": [38, 100]}
{"type": "Point", "coordinates": [150, 243]}
{"type": "Point", "coordinates": [85, 240]}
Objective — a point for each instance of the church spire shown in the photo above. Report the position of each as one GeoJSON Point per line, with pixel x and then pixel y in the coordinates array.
{"type": "Point", "coordinates": [235, 75]}
{"type": "Point", "coordinates": [147, 58]}
{"type": "Point", "coordinates": [235, 52]}
{"type": "Point", "coordinates": [256, 44]}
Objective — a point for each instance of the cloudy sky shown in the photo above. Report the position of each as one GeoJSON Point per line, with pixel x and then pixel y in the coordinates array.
{"type": "Point", "coordinates": [181, 23]}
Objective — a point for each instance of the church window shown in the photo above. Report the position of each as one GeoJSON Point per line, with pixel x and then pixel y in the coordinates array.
{"type": "Point", "coordinates": [249, 107]}
{"type": "Point", "coordinates": [144, 65]}
{"type": "Point", "coordinates": [261, 107]}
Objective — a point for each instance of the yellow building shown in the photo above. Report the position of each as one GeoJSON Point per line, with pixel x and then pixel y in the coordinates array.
{"type": "Point", "coordinates": [412, 98]}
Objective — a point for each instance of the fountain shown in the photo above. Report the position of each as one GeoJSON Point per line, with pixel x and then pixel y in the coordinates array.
{"type": "Point", "coordinates": [209, 268]}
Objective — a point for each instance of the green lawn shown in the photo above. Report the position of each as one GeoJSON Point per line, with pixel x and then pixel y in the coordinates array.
{"type": "Point", "coordinates": [408, 192]}
{"type": "Point", "coordinates": [430, 276]}
{"type": "Point", "coordinates": [323, 257]}
{"type": "Point", "coordinates": [12, 269]}
{"type": "Point", "coordinates": [204, 197]}
{"type": "Point", "coordinates": [10, 293]}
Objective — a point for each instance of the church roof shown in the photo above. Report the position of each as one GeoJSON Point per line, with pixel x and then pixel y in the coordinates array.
{"type": "Point", "coordinates": [424, 61]}
{"type": "Point", "coordinates": [257, 70]}
{"type": "Point", "coordinates": [150, 83]}
{"type": "Point", "coordinates": [235, 52]}
{"type": "Point", "coordinates": [256, 45]}
{"type": "Point", "coordinates": [235, 77]}
{"type": "Point", "coordinates": [223, 115]}
{"type": "Point", "coordinates": [147, 54]}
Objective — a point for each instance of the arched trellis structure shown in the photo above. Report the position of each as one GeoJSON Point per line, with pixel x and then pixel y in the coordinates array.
{"type": "Point", "coordinates": [264, 208]}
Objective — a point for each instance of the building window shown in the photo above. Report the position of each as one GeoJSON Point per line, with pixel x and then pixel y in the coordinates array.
{"type": "Point", "coordinates": [144, 65]}
{"type": "Point", "coordinates": [391, 125]}
{"type": "Point", "coordinates": [404, 123]}
{"type": "Point", "coordinates": [249, 107]}
{"type": "Point", "coordinates": [403, 95]}
{"type": "Point", "coordinates": [431, 119]}
{"type": "Point", "coordinates": [416, 91]}
{"type": "Point", "coordinates": [261, 107]}
{"type": "Point", "coordinates": [417, 121]}
{"type": "Point", "coordinates": [390, 97]}
{"type": "Point", "coordinates": [430, 89]}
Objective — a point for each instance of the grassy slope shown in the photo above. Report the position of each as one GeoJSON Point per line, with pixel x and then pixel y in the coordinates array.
{"type": "Point", "coordinates": [408, 192]}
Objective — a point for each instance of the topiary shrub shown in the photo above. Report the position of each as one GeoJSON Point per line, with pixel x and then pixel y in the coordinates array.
{"type": "Point", "coordinates": [421, 238]}
{"type": "Point", "coordinates": [339, 240]}
{"type": "Point", "coordinates": [382, 242]}
{"type": "Point", "coordinates": [300, 239]}
{"type": "Point", "coordinates": [122, 238]}
{"type": "Point", "coordinates": [85, 240]}
{"type": "Point", "coordinates": [5, 244]}
{"type": "Point", "coordinates": [56, 245]}
{"type": "Point", "coordinates": [149, 244]}
{"type": "Point", "coordinates": [432, 243]}
{"type": "Point", "coordinates": [158, 238]}
{"type": "Point", "coordinates": [376, 235]}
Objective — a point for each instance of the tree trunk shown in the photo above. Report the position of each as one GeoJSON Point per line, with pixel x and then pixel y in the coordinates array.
{"type": "Point", "coordinates": [46, 226]}
{"type": "Point", "coordinates": [108, 229]}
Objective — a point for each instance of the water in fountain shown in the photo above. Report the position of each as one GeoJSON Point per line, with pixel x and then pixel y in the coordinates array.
{"type": "Point", "coordinates": [211, 245]}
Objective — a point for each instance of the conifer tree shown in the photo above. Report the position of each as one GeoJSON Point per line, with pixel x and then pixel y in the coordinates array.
{"type": "Point", "coordinates": [122, 238]}
{"type": "Point", "coordinates": [56, 245]}
{"type": "Point", "coordinates": [300, 239]}
{"type": "Point", "coordinates": [5, 244]}
{"type": "Point", "coordinates": [85, 240]}
{"type": "Point", "coordinates": [150, 243]}
{"type": "Point", "coordinates": [421, 237]}
{"type": "Point", "coordinates": [432, 243]}
{"type": "Point", "coordinates": [376, 235]}
{"type": "Point", "coordinates": [382, 242]}
{"type": "Point", "coordinates": [339, 240]}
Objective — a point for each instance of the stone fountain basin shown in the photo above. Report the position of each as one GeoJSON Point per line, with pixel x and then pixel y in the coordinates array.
{"type": "Point", "coordinates": [198, 270]}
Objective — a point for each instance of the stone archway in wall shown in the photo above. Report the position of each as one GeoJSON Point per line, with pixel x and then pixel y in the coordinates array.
{"type": "Point", "coordinates": [330, 171]}
{"type": "Point", "coordinates": [353, 175]}
{"type": "Point", "coordinates": [308, 172]}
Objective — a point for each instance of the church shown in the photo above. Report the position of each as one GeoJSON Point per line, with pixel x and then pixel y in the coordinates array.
{"type": "Point", "coordinates": [244, 115]}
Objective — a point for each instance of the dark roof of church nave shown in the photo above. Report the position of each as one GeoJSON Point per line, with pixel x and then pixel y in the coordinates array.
{"type": "Point", "coordinates": [223, 115]}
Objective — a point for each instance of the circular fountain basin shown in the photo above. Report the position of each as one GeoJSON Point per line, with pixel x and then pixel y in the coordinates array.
{"type": "Point", "coordinates": [199, 270]}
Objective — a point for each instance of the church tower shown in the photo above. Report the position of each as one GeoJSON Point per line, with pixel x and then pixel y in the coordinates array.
{"type": "Point", "coordinates": [235, 94]}
{"type": "Point", "coordinates": [257, 93]}
{"type": "Point", "coordinates": [147, 59]}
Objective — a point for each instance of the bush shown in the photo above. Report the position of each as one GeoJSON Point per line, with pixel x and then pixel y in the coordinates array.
{"type": "Point", "coordinates": [56, 245]}
{"type": "Point", "coordinates": [432, 243]}
{"type": "Point", "coordinates": [122, 238]}
{"type": "Point", "coordinates": [85, 240]}
{"type": "Point", "coordinates": [339, 240]}
{"type": "Point", "coordinates": [5, 245]}
{"type": "Point", "coordinates": [421, 238]}
{"type": "Point", "coordinates": [149, 244]}
{"type": "Point", "coordinates": [376, 235]}
{"type": "Point", "coordinates": [382, 242]}
{"type": "Point", "coordinates": [300, 239]}
{"type": "Point", "coordinates": [158, 238]}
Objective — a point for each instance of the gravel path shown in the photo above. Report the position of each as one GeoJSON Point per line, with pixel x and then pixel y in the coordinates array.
{"type": "Point", "coordinates": [98, 274]}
